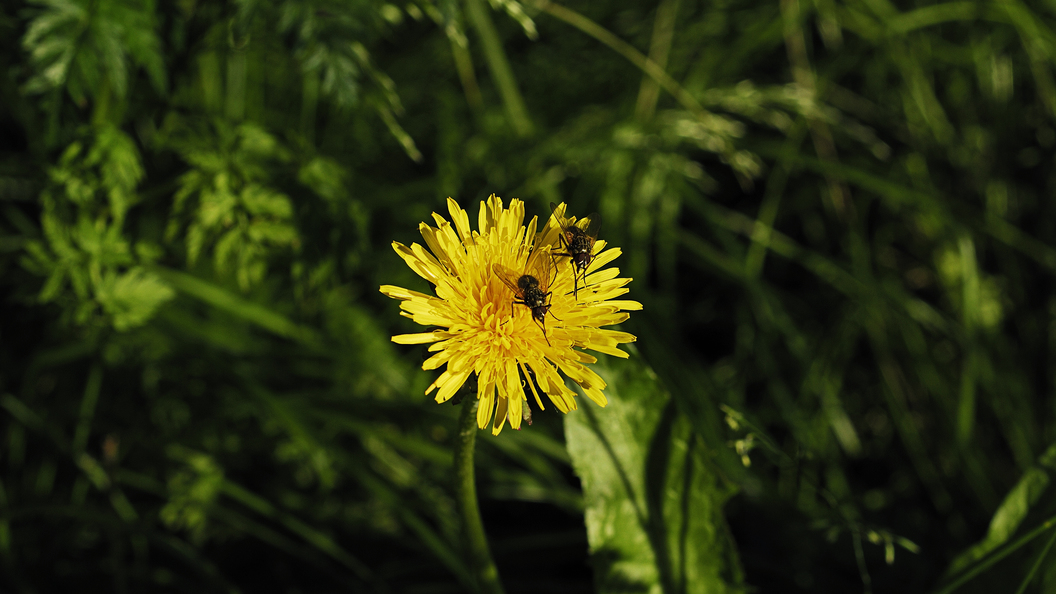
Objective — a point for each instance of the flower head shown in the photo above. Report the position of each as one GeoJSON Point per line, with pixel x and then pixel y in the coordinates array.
{"type": "Point", "coordinates": [484, 327]}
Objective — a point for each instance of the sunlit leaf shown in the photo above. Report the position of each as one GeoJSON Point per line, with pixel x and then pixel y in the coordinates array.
{"type": "Point", "coordinates": [653, 502]}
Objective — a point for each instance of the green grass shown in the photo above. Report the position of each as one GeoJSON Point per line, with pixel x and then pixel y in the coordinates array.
{"type": "Point", "coordinates": [837, 216]}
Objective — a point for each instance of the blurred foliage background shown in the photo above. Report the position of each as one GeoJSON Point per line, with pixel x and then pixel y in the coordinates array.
{"type": "Point", "coordinates": [836, 214]}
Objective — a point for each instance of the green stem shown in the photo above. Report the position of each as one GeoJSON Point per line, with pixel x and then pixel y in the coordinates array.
{"type": "Point", "coordinates": [628, 51]}
{"type": "Point", "coordinates": [999, 555]}
{"type": "Point", "coordinates": [659, 50]}
{"type": "Point", "coordinates": [499, 67]}
{"type": "Point", "coordinates": [476, 542]}
{"type": "Point", "coordinates": [1037, 565]}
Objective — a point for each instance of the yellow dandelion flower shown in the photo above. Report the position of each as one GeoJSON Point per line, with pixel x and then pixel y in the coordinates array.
{"type": "Point", "coordinates": [481, 330]}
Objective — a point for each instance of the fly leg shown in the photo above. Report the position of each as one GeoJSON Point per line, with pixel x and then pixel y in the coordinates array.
{"type": "Point", "coordinates": [542, 325]}
{"type": "Point", "coordinates": [516, 302]}
{"type": "Point", "coordinates": [548, 307]}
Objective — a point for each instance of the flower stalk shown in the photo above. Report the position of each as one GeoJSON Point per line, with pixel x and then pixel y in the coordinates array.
{"type": "Point", "coordinates": [485, 573]}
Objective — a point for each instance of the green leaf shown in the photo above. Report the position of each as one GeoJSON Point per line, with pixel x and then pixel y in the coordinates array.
{"type": "Point", "coordinates": [50, 40]}
{"type": "Point", "coordinates": [273, 233]}
{"type": "Point", "coordinates": [120, 167]}
{"type": "Point", "coordinates": [193, 491]}
{"type": "Point", "coordinates": [325, 177]}
{"type": "Point", "coordinates": [226, 251]}
{"type": "Point", "coordinates": [217, 205]}
{"type": "Point", "coordinates": [252, 312]}
{"type": "Point", "coordinates": [653, 501]}
{"type": "Point", "coordinates": [255, 145]}
{"type": "Point", "coordinates": [1010, 513]}
{"type": "Point", "coordinates": [81, 43]}
{"type": "Point", "coordinates": [244, 221]}
{"type": "Point", "coordinates": [132, 298]}
{"type": "Point", "coordinates": [259, 200]}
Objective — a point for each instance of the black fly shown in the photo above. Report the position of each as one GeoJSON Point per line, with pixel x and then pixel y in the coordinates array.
{"type": "Point", "coordinates": [578, 242]}
{"type": "Point", "coordinates": [529, 290]}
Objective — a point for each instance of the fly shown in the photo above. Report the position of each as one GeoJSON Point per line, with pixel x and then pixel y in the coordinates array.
{"type": "Point", "coordinates": [577, 239]}
{"type": "Point", "coordinates": [529, 290]}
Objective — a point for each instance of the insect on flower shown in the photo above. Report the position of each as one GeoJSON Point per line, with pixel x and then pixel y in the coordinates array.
{"type": "Point", "coordinates": [475, 333]}
{"type": "Point", "coordinates": [532, 288]}
{"type": "Point", "coordinates": [577, 239]}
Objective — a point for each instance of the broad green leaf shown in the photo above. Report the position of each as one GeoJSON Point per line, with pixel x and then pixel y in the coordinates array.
{"type": "Point", "coordinates": [653, 502]}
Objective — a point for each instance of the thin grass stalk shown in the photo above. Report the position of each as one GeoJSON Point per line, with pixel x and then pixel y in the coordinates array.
{"type": "Point", "coordinates": [1037, 564]}
{"type": "Point", "coordinates": [499, 67]}
{"type": "Point", "coordinates": [999, 555]}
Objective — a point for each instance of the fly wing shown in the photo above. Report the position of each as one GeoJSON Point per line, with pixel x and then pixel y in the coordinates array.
{"type": "Point", "coordinates": [557, 212]}
{"type": "Point", "coordinates": [593, 225]}
{"type": "Point", "coordinates": [543, 268]}
{"type": "Point", "coordinates": [509, 277]}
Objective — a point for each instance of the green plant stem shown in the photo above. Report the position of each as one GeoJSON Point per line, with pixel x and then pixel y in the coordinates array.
{"type": "Point", "coordinates": [499, 67]}
{"type": "Point", "coordinates": [1037, 564]}
{"type": "Point", "coordinates": [476, 542]}
{"type": "Point", "coordinates": [999, 555]}
{"type": "Point", "coordinates": [659, 50]}
{"type": "Point", "coordinates": [628, 51]}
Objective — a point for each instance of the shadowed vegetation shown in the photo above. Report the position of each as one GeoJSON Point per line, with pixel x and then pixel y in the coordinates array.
{"type": "Point", "coordinates": [836, 214]}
